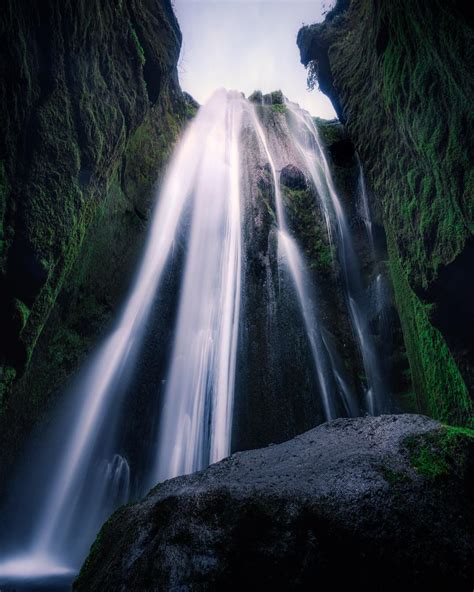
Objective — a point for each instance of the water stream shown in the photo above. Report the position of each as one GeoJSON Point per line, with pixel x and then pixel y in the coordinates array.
{"type": "Point", "coordinates": [307, 139]}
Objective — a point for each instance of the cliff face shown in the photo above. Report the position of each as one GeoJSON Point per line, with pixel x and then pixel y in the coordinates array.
{"type": "Point", "coordinates": [398, 74]}
{"type": "Point", "coordinates": [90, 109]}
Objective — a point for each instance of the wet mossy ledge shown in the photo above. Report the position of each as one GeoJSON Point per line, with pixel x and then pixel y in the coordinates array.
{"type": "Point", "coordinates": [399, 76]}
{"type": "Point", "coordinates": [91, 110]}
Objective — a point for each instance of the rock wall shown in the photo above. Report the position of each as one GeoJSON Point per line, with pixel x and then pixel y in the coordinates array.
{"type": "Point", "coordinates": [91, 109]}
{"type": "Point", "coordinates": [400, 76]}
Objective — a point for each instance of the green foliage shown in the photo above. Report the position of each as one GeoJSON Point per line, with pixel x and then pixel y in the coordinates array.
{"type": "Point", "coordinates": [439, 387]}
{"type": "Point", "coordinates": [22, 312]}
{"type": "Point", "coordinates": [330, 131]}
{"type": "Point", "coordinates": [441, 453]}
{"type": "Point", "coordinates": [411, 114]}
{"type": "Point", "coordinates": [276, 97]}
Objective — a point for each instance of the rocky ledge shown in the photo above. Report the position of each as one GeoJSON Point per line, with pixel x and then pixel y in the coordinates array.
{"type": "Point", "coordinates": [380, 502]}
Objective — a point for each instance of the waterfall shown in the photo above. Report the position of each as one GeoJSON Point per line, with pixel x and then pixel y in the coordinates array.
{"type": "Point", "coordinates": [196, 421]}
{"type": "Point", "coordinates": [364, 209]}
{"type": "Point", "coordinates": [323, 355]}
{"type": "Point", "coordinates": [203, 176]}
{"type": "Point", "coordinates": [307, 140]}
{"type": "Point", "coordinates": [84, 465]}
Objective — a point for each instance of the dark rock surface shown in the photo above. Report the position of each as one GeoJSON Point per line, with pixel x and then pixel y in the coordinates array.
{"type": "Point", "coordinates": [274, 399]}
{"type": "Point", "coordinates": [381, 503]}
{"type": "Point", "coordinates": [293, 178]}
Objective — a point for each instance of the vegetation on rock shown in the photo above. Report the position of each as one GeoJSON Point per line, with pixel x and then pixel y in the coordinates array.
{"type": "Point", "coordinates": [442, 453]}
{"type": "Point", "coordinates": [351, 484]}
{"type": "Point", "coordinates": [87, 132]}
{"type": "Point", "coordinates": [398, 73]}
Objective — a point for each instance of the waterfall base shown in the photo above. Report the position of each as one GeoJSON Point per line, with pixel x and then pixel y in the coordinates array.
{"type": "Point", "coordinates": [34, 571]}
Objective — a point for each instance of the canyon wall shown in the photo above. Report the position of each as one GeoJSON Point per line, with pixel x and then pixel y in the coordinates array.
{"type": "Point", "coordinates": [399, 75]}
{"type": "Point", "coordinates": [91, 107]}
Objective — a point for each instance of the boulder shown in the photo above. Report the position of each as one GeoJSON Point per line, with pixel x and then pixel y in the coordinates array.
{"type": "Point", "coordinates": [383, 503]}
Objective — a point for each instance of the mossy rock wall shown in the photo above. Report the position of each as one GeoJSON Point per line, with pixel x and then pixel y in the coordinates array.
{"type": "Point", "coordinates": [400, 76]}
{"type": "Point", "coordinates": [91, 110]}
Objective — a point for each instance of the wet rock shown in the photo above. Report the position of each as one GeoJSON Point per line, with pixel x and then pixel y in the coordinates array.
{"type": "Point", "coordinates": [256, 97]}
{"type": "Point", "coordinates": [366, 502]}
{"type": "Point", "coordinates": [274, 98]}
{"type": "Point", "coordinates": [293, 178]}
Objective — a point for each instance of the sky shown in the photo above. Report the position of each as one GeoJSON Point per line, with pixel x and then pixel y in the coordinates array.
{"type": "Point", "coordinates": [248, 45]}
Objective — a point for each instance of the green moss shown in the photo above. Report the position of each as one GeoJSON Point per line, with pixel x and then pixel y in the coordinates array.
{"type": "Point", "coordinates": [147, 150]}
{"type": "Point", "coordinates": [276, 97]}
{"type": "Point", "coordinates": [138, 45]}
{"type": "Point", "coordinates": [279, 108]}
{"type": "Point", "coordinates": [439, 387]}
{"type": "Point", "coordinates": [330, 131]}
{"type": "Point", "coordinates": [419, 160]}
{"type": "Point", "coordinates": [22, 312]}
{"type": "Point", "coordinates": [441, 453]}
{"type": "Point", "coordinates": [191, 111]}
{"type": "Point", "coordinates": [307, 223]}
{"type": "Point", "coordinates": [401, 71]}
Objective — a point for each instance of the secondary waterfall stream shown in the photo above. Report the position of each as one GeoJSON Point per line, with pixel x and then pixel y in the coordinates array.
{"type": "Point", "coordinates": [304, 130]}
{"type": "Point", "coordinates": [201, 204]}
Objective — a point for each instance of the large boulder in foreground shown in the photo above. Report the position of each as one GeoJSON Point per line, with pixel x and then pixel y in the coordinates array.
{"type": "Point", "coordinates": [381, 502]}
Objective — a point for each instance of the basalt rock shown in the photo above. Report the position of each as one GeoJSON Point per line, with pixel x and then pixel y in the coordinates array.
{"type": "Point", "coordinates": [380, 503]}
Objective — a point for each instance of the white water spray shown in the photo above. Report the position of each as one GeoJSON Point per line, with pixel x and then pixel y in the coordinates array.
{"type": "Point", "coordinates": [59, 539]}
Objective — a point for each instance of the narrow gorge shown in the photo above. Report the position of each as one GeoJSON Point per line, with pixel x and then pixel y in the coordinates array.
{"type": "Point", "coordinates": [236, 337]}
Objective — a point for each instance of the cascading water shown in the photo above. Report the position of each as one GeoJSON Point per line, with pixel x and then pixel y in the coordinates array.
{"type": "Point", "coordinates": [307, 140]}
{"type": "Point", "coordinates": [203, 176]}
{"type": "Point", "coordinates": [196, 422]}
{"type": "Point", "coordinates": [85, 468]}
{"type": "Point", "coordinates": [365, 209]}
{"type": "Point", "coordinates": [330, 378]}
